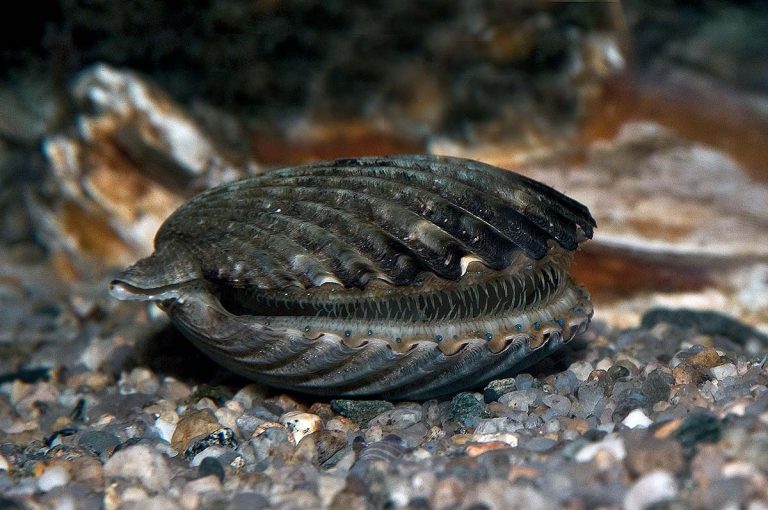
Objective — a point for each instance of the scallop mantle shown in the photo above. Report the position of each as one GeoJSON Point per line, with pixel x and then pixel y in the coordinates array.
{"type": "Point", "coordinates": [400, 277]}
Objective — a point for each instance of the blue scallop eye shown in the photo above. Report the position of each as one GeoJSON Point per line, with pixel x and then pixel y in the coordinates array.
{"type": "Point", "coordinates": [560, 322]}
{"type": "Point", "coordinates": [439, 338]}
{"type": "Point", "coordinates": [489, 336]}
{"type": "Point", "coordinates": [306, 328]}
{"type": "Point", "coordinates": [518, 327]}
{"type": "Point", "coordinates": [370, 332]}
{"type": "Point", "coordinates": [398, 339]}
{"type": "Point", "coordinates": [347, 333]}
{"type": "Point", "coordinates": [536, 325]}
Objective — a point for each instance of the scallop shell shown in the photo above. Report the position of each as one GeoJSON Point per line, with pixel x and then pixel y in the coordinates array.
{"type": "Point", "coordinates": [403, 277]}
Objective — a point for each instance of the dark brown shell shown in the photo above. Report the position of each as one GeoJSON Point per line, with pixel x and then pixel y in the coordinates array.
{"type": "Point", "coordinates": [340, 277]}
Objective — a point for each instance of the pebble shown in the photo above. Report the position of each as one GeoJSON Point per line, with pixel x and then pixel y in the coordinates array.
{"type": "Point", "coordinates": [324, 446]}
{"type": "Point", "coordinates": [646, 453]}
{"type": "Point", "coordinates": [637, 419]}
{"type": "Point", "coordinates": [228, 415]}
{"type": "Point", "coordinates": [618, 372]}
{"type": "Point", "coordinates": [559, 404]}
{"type": "Point", "coordinates": [250, 394]}
{"type": "Point", "coordinates": [475, 450]}
{"type": "Point", "coordinates": [591, 395]}
{"type": "Point", "coordinates": [497, 425]}
{"type": "Point", "coordinates": [566, 382]}
{"type": "Point", "coordinates": [652, 489]}
{"type": "Point", "coordinates": [508, 439]}
{"type": "Point", "coordinates": [247, 424]}
{"type": "Point", "coordinates": [54, 476]}
{"type": "Point", "coordinates": [300, 424]}
{"type": "Point", "coordinates": [192, 426]}
{"type": "Point", "coordinates": [581, 369]}
{"type": "Point", "coordinates": [221, 437]}
{"type": "Point", "coordinates": [4, 465]}
{"type": "Point", "coordinates": [98, 441]}
{"type": "Point", "coordinates": [140, 462]}
{"type": "Point", "coordinates": [698, 427]}
{"type": "Point", "coordinates": [174, 390]}
{"type": "Point", "coordinates": [269, 437]}
{"type": "Point", "coordinates": [211, 466]}
{"type": "Point", "coordinates": [611, 444]}
{"type": "Point", "coordinates": [497, 388]}
{"type": "Point", "coordinates": [465, 409]}
{"type": "Point", "coordinates": [540, 444]}
{"type": "Point", "coordinates": [361, 411]}
{"type": "Point", "coordinates": [521, 400]}
{"type": "Point", "coordinates": [224, 454]}
{"type": "Point", "coordinates": [524, 381]}
{"type": "Point", "coordinates": [720, 372]}
{"type": "Point", "coordinates": [399, 418]}
{"type": "Point", "coordinates": [139, 380]}
{"type": "Point", "coordinates": [657, 386]}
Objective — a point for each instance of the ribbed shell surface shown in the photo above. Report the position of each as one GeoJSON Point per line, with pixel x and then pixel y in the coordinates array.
{"type": "Point", "coordinates": [405, 277]}
{"type": "Point", "coordinates": [353, 219]}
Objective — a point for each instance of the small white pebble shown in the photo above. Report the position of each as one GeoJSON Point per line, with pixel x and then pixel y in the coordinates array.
{"type": "Point", "coordinates": [611, 443]}
{"type": "Point", "coordinates": [604, 364]}
{"type": "Point", "coordinates": [581, 370]}
{"type": "Point", "coordinates": [637, 419]}
{"type": "Point", "coordinates": [301, 424]}
{"type": "Point", "coordinates": [723, 371]}
{"type": "Point", "coordinates": [654, 487]}
{"type": "Point", "coordinates": [165, 428]}
{"type": "Point", "coordinates": [54, 476]}
{"type": "Point", "coordinates": [510, 439]}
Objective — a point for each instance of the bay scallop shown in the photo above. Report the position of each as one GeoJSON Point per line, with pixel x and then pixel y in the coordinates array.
{"type": "Point", "coordinates": [401, 277]}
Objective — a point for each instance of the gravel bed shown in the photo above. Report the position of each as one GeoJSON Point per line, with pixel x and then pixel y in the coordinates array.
{"type": "Point", "coordinates": [119, 411]}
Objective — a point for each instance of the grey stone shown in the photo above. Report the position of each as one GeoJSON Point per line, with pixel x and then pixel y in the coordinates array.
{"type": "Point", "coordinates": [521, 400]}
{"type": "Point", "coordinates": [722, 371]}
{"type": "Point", "coordinates": [656, 386]}
{"type": "Point", "coordinates": [98, 442]}
{"type": "Point", "coordinates": [525, 381]}
{"type": "Point", "coordinates": [566, 382]}
{"type": "Point", "coordinates": [540, 444]}
{"type": "Point", "coordinates": [361, 411]}
{"type": "Point", "coordinates": [496, 426]}
{"type": "Point", "coordinates": [559, 404]}
{"type": "Point", "coordinates": [398, 418]}
{"type": "Point", "coordinates": [466, 409]}
{"type": "Point", "coordinates": [497, 388]}
{"type": "Point", "coordinates": [591, 394]}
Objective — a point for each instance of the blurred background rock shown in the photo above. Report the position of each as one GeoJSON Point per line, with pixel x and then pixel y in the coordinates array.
{"type": "Point", "coordinates": [655, 114]}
